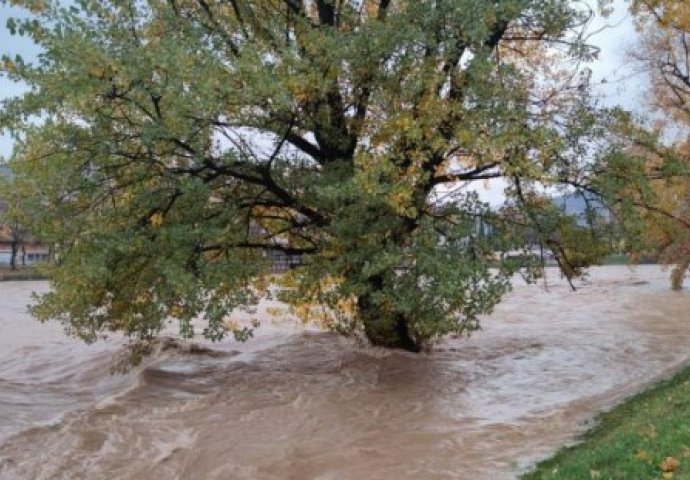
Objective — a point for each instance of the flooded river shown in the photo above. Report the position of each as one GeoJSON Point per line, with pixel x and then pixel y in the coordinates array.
{"type": "Point", "coordinates": [295, 403]}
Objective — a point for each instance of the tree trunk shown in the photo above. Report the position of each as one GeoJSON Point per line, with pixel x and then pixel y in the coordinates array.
{"type": "Point", "coordinates": [384, 328]}
{"type": "Point", "coordinates": [13, 258]}
{"type": "Point", "coordinates": [678, 274]}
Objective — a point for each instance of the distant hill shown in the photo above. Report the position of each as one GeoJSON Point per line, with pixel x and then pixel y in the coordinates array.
{"type": "Point", "coordinates": [5, 171]}
{"type": "Point", "coordinates": [576, 205]}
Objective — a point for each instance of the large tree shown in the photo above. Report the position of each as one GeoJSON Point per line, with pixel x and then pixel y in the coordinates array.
{"type": "Point", "coordinates": [169, 148]}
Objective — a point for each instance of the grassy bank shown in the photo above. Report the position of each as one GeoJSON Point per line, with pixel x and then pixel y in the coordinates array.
{"type": "Point", "coordinates": [20, 274]}
{"type": "Point", "coordinates": [647, 437]}
{"type": "Point", "coordinates": [623, 259]}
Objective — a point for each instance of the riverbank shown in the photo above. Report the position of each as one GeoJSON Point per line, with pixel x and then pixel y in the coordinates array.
{"type": "Point", "coordinates": [648, 436]}
{"type": "Point", "coordinates": [7, 274]}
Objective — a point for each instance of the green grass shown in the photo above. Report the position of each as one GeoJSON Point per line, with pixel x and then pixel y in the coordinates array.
{"type": "Point", "coordinates": [633, 440]}
{"type": "Point", "coordinates": [616, 259]}
{"type": "Point", "coordinates": [20, 274]}
{"type": "Point", "coordinates": [623, 259]}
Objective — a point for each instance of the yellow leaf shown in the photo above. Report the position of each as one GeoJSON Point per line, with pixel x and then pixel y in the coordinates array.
{"type": "Point", "coordinates": [156, 219]}
{"type": "Point", "coordinates": [669, 464]}
{"type": "Point", "coordinates": [276, 311]}
{"type": "Point", "coordinates": [97, 72]}
{"type": "Point", "coordinates": [642, 455]}
{"type": "Point", "coordinates": [9, 66]}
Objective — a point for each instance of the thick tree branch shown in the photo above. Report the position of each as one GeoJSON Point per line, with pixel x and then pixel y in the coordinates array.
{"type": "Point", "coordinates": [261, 246]}
{"type": "Point", "coordinates": [478, 173]}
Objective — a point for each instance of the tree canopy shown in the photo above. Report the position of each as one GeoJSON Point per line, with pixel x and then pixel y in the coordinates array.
{"type": "Point", "coordinates": [169, 149]}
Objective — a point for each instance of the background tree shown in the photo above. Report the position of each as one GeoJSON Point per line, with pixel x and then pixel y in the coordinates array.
{"type": "Point", "coordinates": [663, 156]}
{"type": "Point", "coordinates": [10, 218]}
{"type": "Point", "coordinates": [181, 141]}
{"type": "Point", "coordinates": [18, 235]}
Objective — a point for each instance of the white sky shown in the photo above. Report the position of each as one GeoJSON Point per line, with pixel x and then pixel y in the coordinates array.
{"type": "Point", "coordinates": [614, 78]}
{"type": "Point", "coordinates": [12, 45]}
{"type": "Point", "coordinates": [622, 85]}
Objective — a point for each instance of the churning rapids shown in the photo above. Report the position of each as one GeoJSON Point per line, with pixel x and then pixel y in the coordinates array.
{"type": "Point", "coordinates": [295, 403]}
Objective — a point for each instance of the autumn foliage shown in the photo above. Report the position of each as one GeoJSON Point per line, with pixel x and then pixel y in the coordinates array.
{"type": "Point", "coordinates": [664, 52]}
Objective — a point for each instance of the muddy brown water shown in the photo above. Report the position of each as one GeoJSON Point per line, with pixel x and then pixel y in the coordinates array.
{"type": "Point", "coordinates": [296, 403]}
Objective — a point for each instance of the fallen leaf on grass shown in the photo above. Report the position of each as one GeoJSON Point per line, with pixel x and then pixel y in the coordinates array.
{"type": "Point", "coordinates": [669, 464]}
{"type": "Point", "coordinates": [642, 455]}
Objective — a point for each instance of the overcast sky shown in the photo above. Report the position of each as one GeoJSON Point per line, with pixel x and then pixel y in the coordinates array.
{"type": "Point", "coordinates": [12, 45]}
{"type": "Point", "coordinates": [625, 85]}
{"type": "Point", "coordinates": [622, 85]}
{"type": "Point", "coordinates": [614, 78]}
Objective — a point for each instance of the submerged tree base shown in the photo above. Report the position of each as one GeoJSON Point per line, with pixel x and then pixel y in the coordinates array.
{"type": "Point", "coordinates": [384, 329]}
{"type": "Point", "coordinates": [391, 333]}
{"type": "Point", "coordinates": [678, 274]}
